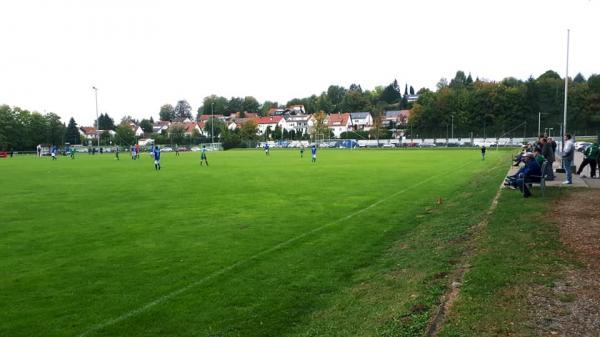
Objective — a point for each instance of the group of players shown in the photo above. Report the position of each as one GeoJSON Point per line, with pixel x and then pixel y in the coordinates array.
{"type": "Point", "coordinates": [313, 151]}
{"type": "Point", "coordinates": [155, 153]}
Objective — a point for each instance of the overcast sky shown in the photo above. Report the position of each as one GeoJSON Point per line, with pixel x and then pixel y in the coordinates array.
{"type": "Point", "coordinates": [143, 54]}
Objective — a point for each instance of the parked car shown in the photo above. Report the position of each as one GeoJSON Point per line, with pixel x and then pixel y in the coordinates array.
{"type": "Point", "coordinates": [426, 145]}
{"type": "Point", "coordinates": [581, 146]}
{"type": "Point", "coordinates": [167, 149]}
{"type": "Point", "coordinates": [388, 145]}
{"type": "Point", "coordinates": [195, 149]}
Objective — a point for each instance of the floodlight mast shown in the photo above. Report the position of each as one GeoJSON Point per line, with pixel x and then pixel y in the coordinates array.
{"type": "Point", "coordinates": [212, 125]}
{"type": "Point", "coordinates": [97, 119]}
{"type": "Point", "coordinates": [564, 133]}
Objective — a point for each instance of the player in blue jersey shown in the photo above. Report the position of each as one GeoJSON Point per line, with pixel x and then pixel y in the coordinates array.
{"type": "Point", "coordinates": [203, 156]}
{"type": "Point", "coordinates": [313, 151]}
{"type": "Point", "coordinates": [157, 158]}
{"type": "Point", "coordinates": [266, 148]}
{"type": "Point", "coordinates": [53, 152]}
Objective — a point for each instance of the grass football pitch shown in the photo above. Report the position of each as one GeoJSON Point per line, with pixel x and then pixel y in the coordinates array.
{"type": "Point", "coordinates": [252, 245]}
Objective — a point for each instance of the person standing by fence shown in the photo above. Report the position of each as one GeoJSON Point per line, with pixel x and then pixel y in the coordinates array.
{"type": "Point", "coordinates": [483, 152]}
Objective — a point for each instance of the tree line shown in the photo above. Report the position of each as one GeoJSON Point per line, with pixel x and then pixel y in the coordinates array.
{"type": "Point", "coordinates": [463, 106]}
{"type": "Point", "coordinates": [510, 108]}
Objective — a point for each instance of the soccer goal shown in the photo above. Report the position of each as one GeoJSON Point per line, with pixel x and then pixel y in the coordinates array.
{"type": "Point", "coordinates": [214, 146]}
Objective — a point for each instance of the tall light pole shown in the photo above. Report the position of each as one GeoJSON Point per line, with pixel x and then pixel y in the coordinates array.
{"type": "Point", "coordinates": [539, 122]}
{"type": "Point", "coordinates": [97, 120]}
{"type": "Point", "coordinates": [564, 129]}
{"type": "Point", "coordinates": [452, 132]}
{"type": "Point", "coordinates": [212, 124]}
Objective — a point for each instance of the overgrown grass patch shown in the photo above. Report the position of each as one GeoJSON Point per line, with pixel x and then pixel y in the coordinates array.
{"type": "Point", "coordinates": [518, 249]}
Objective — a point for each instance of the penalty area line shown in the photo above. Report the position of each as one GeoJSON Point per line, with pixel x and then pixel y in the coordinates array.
{"type": "Point", "coordinates": [224, 270]}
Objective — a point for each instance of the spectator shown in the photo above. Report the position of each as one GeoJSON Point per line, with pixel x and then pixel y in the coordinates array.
{"type": "Point", "coordinates": [553, 143]}
{"type": "Point", "coordinates": [530, 173]}
{"type": "Point", "coordinates": [567, 159]}
{"type": "Point", "coordinates": [548, 154]}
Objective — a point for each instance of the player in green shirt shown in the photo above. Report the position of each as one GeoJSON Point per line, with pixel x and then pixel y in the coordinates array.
{"type": "Point", "coordinates": [591, 154]}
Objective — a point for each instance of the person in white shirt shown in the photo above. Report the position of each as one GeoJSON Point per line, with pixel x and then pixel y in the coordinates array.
{"type": "Point", "coordinates": [567, 157]}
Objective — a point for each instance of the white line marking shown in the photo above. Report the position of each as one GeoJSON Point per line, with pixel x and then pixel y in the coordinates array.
{"type": "Point", "coordinates": [253, 257]}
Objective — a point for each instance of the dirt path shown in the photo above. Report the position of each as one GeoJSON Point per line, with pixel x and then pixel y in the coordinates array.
{"type": "Point", "coordinates": [571, 307]}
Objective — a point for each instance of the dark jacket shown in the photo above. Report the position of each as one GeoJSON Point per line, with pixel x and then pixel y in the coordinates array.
{"type": "Point", "coordinates": [531, 168]}
{"type": "Point", "coordinates": [548, 152]}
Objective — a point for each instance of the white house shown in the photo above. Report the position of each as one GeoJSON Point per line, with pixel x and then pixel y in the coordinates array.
{"type": "Point", "coordinates": [361, 120]}
{"type": "Point", "coordinates": [339, 123]}
{"type": "Point", "coordinates": [161, 126]}
{"type": "Point", "coordinates": [297, 123]}
{"type": "Point", "coordinates": [88, 132]}
{"type": "Point", "coordinates": [273, 121]}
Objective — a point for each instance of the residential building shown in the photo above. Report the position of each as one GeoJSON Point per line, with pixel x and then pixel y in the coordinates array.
{"type": "Point", "coordinates": [339, 123]}
{"type": "Point", "coordinates": [361, 120]}
{"type": "Point", "coordinates": [297, 123]}
{"type": "Point", "coordinates": [273, 121]}
{"type": "Point", "coordinates": [161, 126]}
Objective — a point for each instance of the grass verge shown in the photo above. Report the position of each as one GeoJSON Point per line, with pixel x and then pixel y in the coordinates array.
{"type": "Point", "coordinates": [519, 248]}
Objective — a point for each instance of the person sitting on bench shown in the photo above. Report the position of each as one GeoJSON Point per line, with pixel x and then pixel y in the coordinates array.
{"type": "Point", "coordinates": [530, 173]}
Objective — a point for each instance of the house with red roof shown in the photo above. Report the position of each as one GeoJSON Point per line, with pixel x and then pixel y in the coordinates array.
{"type": "Point", "coordinates": [271, 122]}
{"type": "Point", "coordinates": [89, 132]}
{"type": "Point", "coordinates": [207, 117]}
{"type": "Point", "coordinates": [188, 128]}
{"type": "Point", "coordinates": [339, 123]}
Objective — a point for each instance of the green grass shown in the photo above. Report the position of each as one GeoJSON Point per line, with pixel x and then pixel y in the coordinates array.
{"type": "Point", "coordinates": [518, 250]}
{"type": "Point", "coordinates": [354, 245]}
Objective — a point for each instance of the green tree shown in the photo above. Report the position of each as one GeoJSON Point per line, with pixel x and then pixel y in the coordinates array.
{"type": "Point", "coordinates": [354, 101]}
{"type": "Point", "coordinates": [320, 126]}
{"type": "Point", "coordinates": [266, 106]}
{"type": "Point", "coordinates": [391, 93]}
{"type": "Point", "coordinates": [146, 126]}
{"type": "Point", "coordinates": [218, 104]}
{"type": "Point", "coordinates": [249, 130]}
{"type": "Point", "coordinates": [167, 112]}
{"type": "Point", "coordinates": [229, 139]}
{"type": "Point", "coordinates": [38, 129]}
{"type": "Point", "coordinates": [213, 125]}
{"type": "Point", "coordinates": [8, 128]}
{"type": "Point", "coordinates": [579, 79]}
{"type": "Point", "coordinates": [105, 122]}
{"type": "Point", "coordinates": [459, 81]}
{"type": "Point", "coordinates": [250, 104]}
{"type": "Point", "coordinates": [234, 105]}
{"type": "Point", "coordinates": [335, 96]}
{"type": "Point", "coordinates": [125, 136]}
{"type": "Point", "coordinates": [183, 110]}
{"type": "Point", "coordinates": [105, 138]}
{"type": "Point", "coordinates": [177, 133]}
{"type": "Point", "coordinates": [72, 135]}
{"type": "Point", "coordinates": [56, 129]}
